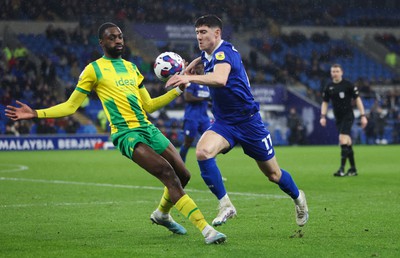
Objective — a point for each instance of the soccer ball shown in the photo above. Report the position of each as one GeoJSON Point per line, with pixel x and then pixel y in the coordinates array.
{"type": "Point", "coordinates": [168, 64]}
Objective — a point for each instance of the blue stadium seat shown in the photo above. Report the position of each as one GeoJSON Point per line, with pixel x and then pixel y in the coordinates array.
{"type": "Point", "coordinates": [93, 108]}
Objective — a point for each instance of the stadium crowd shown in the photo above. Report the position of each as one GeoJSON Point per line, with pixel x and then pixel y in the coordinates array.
{"type": "Point", "coordinates": [35, 78]}
{"type": "Point", "coordinates": [240, 13]}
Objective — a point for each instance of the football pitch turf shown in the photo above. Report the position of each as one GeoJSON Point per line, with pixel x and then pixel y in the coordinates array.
{"type": "Point", "coordinates": [98, 203]}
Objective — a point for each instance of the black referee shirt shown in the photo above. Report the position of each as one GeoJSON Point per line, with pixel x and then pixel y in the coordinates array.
{"type": "Point", "coordinates": [341, 95]}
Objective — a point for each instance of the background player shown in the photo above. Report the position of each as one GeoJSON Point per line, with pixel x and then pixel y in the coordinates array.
{"type": "Point", "coordinates": [237, 119]}
{"type": "Point", "coordinates": [341, 92]}
{"type": "Point", "coordinates": [195, 120]}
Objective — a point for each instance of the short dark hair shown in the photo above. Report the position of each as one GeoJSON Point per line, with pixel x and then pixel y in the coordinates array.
{"type": "Point", "coordinates": [337, 66]}
{"type": "Point", "coordinates": [209, 20]}
{"type": "Point", "coordinates": [105, 26]}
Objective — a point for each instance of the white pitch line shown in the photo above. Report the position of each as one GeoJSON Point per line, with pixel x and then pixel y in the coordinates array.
{"type": "Point", "coordinates": [5, 168]}
{"type": "Point", "coordinates": [270, 196]}
{"type": "Point", "coordinates": [55, 204]}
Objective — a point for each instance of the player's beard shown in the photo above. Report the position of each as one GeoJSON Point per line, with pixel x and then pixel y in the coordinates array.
{"type": "Point", "coordinates": [114, 52]}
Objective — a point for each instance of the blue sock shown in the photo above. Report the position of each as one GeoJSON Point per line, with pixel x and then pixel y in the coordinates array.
{"type": "Point", "coordinates": [287, 185]}
{"type": "Point", "coordinates": [212, 177]}
{"type": "Point", "coordinates": [183, 152]}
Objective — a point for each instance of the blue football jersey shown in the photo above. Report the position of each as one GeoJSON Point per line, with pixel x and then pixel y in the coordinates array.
{"type": "Point", "coordinates": [197, 110]}
{"type": "Point", "coordinates": [234, 102]}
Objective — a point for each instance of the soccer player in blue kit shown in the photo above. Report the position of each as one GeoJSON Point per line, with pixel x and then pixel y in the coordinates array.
{"type": "Point", "coordinates": [196, 119]}
{"type": "Point", "coordinates": [237, 119]}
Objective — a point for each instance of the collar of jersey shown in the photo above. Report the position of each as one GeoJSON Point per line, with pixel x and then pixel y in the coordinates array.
{"type": "Point", "coordinates": [209, 57]}
{"type": "Point", "coordinates": [109, 58]}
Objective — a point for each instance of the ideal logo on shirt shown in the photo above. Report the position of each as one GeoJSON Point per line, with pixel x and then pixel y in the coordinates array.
{"type": "Point", "coordinates": [125, 82]}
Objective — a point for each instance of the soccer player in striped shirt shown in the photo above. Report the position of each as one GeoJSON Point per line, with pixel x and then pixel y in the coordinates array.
{"type": "Point", "coordinates": [119, 85]}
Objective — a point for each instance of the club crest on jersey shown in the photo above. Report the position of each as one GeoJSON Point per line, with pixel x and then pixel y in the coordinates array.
{"type": "Point", "coordinates": [341, 95]}
{"type": "Point", "coordinates": [220, 55]}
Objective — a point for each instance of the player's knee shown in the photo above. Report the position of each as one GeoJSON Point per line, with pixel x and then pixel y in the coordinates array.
{"type": "Point", "coordinates": [184, 177]}
{"type": "Point", "coordinates": [203, 153]}
{"type": "Point", "coordinates": [274, 176]}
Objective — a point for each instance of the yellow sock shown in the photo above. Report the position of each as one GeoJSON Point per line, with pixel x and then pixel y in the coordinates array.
{"type": "Point", "coordinates": [165, 202]}
{"type": "Point", "coordinates": [189, 209]}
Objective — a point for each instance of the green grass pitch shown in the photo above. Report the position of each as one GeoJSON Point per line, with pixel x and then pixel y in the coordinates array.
{"type": "Point", "coordinates": [98, 203]}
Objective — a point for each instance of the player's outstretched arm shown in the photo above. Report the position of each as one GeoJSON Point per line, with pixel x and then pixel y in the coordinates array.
{"type": "Point", "coordinates": [217, 78]}
{"type": "Point", "coordinates": [152, 104]}
{"type": "Point", "coordinates": [64, 109]}
{"type": "Point", "coordinates": [22, 112]}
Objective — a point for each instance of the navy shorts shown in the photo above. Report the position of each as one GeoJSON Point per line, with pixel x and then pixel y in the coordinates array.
{"type": "Point", "coordinates": [252, 135]}
{"type": "Point", "coordinates": [192, 127]}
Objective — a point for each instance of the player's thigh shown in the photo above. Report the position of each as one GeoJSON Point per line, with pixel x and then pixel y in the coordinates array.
{"type": "Point", "coordinates": [344, 128]}
{"type": "Point", "coordinates": [152, 162]}
{"type": "Point", "coordinates": [210, 144]}
{"type": "Point", "coordinates": [345, 139]}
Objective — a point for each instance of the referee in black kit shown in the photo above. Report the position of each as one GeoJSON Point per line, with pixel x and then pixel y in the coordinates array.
{"type": "Point", "coordinates": [341, 92]}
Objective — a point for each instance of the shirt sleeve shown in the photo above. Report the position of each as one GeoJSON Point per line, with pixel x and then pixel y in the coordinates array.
{"type": "Point", "coordinates": [64, 109]}
{"type": "Point", "coordinates": [153, 104]}
{"type": "Point", "coordinates": [223, 55]}
{"type": "Point", "coordinates": [325, 94]}
{"type": "Point", "coordinates": [87, 80]}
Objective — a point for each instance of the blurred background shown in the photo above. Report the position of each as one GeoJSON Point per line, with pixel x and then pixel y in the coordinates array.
{"type": "Point", "coordinates": [287, 46]}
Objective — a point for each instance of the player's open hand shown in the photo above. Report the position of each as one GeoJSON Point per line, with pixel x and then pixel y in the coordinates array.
{"type": "Point", "coordinates": [178, 81]}
{"type": "Point", "coordinates": [18, 113]}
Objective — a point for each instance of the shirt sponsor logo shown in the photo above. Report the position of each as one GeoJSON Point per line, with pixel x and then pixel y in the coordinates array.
{"type": "Point", "coordinates": [125, 82]}
{"type": "Point", "coordinates": [220, 55]}
{"type": "Point", "coordinates": [203, 94]}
